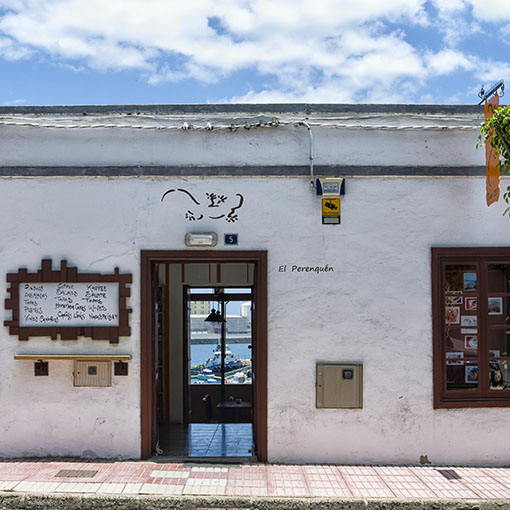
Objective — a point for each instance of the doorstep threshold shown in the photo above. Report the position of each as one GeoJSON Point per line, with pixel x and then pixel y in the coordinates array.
{"type": "Point", "coordinates": [203, 460]}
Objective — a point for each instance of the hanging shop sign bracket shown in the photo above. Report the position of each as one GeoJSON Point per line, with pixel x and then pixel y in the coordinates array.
{"type": "Point", "coordinates": [486, 95]}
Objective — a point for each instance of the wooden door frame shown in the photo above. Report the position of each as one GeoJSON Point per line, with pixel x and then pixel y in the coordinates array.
{"type": "Point", "coordinates": [148, 399]}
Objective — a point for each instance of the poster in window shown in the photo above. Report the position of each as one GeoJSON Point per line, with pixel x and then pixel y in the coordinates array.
{"type": "Point", "coordinates": [452, 315]}
{"type": "Point", "coordinates": [471, 374]}
{"type": "Point", "coordinates": [495, 306]}
{"type": "Point", "coordinates": [469, 321]}
{"type": "Point", "coordinates": [471, 304]}
{"type": "Point", "coordinates": [471, 342]}
{"type": "Point", "coordinates": [455, 358]}
{"type": "Point", "coordinates": [469, 281]}
{"type": "Point", "coordinates": [453, 300]}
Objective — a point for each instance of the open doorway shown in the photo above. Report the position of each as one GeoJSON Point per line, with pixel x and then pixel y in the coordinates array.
{"type": "Point", "coordinates": [204, 372]}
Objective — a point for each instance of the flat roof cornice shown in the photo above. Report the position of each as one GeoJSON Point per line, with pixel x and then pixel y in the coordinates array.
{"type": "Point", "coordinates": [283, 108]}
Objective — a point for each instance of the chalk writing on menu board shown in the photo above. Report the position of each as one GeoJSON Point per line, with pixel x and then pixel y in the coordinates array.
{"type": "Point", "coordinates": [69, 304]}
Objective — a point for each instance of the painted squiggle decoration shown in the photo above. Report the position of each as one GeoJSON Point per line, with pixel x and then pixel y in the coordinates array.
{"type": "Point", "coordinates": [215, 200]}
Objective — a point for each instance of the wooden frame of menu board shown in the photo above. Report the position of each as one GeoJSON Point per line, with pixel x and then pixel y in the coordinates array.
{"type": "Point", "coordinates": [70, 275]}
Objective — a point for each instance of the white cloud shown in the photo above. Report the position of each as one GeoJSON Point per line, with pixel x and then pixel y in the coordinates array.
{"type": "Point", "coordinates": [490, 71]}
{"type": "Point", "coordinates": [12, 51]}
{"type": "Point", "coordinates": [452, 21]}
{"type": "Point", "coordinates": [311, 50]}
{"type": "Point", "coordinates": [493, 11]}
{"type": "Point", "coordinates": [448, 61]}
{"type": "Point", "coordinates": [450, 6]}
{"type": "Point", "coordinates": [11, 4]}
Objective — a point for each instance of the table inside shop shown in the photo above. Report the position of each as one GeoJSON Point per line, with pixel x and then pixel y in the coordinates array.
{"type": "Point", "coordinates": [235, 411]}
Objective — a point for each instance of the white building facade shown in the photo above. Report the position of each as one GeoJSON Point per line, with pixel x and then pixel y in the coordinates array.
{"type": "Point", "coordinates": [97, 186]}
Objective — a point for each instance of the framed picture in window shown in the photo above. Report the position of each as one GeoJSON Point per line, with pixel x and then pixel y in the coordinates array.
{"type": "Point", "coordinates": [469, 281]}
{"type": "Point", "coordinates": [471, 374]}
{"type": "Point", "coordinates": [495, 306]}
{"type": "Point", "coordinates": [471, 304]}
{"type": "Point", "coordinates": [452, 315]}
{"type": "Point", "coordinates": [455, 358]}
{"type": "Point", "coordinates": [469, 320]}
{"type": "Point", "coordinates": [471, 342]}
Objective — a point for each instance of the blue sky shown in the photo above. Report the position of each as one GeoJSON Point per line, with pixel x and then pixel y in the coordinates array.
{"type": "Point", "coordinates": [197, 51]}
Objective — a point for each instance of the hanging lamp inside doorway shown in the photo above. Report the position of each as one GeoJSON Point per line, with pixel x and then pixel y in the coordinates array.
{"type": "Point", "coordinates": [214, 316]}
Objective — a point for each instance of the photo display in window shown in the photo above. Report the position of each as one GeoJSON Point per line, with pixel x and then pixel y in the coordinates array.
{"type": "Point", "coordinates": [462, 377]}
{"type": "Point", "coordinates": [460, 279]}
{"type": "Point", "coordinates": [498, 321]}
{"type": "Point", "coordinates": [471, 326]}
{"type": "Point", "coordinates": [498, 313]}
{"type": "Point", "coordinates": [461, 327]}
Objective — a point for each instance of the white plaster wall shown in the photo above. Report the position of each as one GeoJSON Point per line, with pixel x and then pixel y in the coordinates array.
{"type": "Point", "coordinates": [374, 308]}
{"type": "Point", "coordinates": [285, 145]}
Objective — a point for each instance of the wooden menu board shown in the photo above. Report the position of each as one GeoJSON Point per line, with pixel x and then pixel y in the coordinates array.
{"type": "Point", "coordinates": [68, 303]}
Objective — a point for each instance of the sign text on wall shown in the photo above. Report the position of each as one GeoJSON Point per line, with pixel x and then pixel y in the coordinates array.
{"type": "Point", "coordinates": [67, 303]}
{"type": "Point", "coordinates": [294, 268]}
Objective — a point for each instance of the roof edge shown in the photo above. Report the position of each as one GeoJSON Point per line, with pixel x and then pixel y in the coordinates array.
{"type": "Point", "coordinates": [255, 108]}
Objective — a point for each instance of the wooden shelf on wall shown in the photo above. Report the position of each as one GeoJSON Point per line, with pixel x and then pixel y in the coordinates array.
{"type": "Point", "coordinates": [76, 357]}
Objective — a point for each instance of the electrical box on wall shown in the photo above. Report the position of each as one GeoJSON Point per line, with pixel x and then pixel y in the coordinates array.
{"type": "Point", "coordinates": [330, 189]}
{"type": "Point", "coordinates": [339, 385]}
{"type": "Point", "coordinates": [93, 373]}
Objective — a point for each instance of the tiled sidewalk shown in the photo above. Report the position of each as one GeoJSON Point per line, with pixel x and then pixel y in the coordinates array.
{"type": "Point", "coordinates": [254, 480]}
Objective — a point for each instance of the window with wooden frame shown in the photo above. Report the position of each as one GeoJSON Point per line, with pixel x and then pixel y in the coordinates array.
{"type": "Point", "coordinates": [471, 326]}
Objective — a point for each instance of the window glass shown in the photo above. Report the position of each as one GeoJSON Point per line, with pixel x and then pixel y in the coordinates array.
{"type": "Point", "coordinates": [499, 374]}
{"type": "Point", "coordinates": [498, 278]}
{"type": "Point", "coordinates": [461, 345]}
{"type": "Point", "coordinates": [203, 338]}
{"type": "Point", "coordinates": [461, 375]}
{"type": "Point", "coordinates": [498, 341]}
{"type": "Point", "coordinates": [460, 279]}
{"type": "Point", "coordinates": [471, 290]}
{"type": "Point", "coordinates": [199, 290]}
{"type": "Point", "coordinates": [236, 290]}
{"type": "Point", "coordinates": [238, 340]}
{"type": "Point", "coordinates": [205, 351]}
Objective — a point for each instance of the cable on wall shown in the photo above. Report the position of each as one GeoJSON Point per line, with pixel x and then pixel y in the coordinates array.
{"type": "Point", "coordinates": [311, 154]}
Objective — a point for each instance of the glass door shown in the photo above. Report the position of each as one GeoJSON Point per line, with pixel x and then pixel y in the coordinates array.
{"type": "Point", "coordinates": [219, 347]}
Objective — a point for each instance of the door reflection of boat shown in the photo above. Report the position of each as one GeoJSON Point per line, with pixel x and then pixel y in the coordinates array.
{"type": "Point", "coordinates": [231, 363]}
